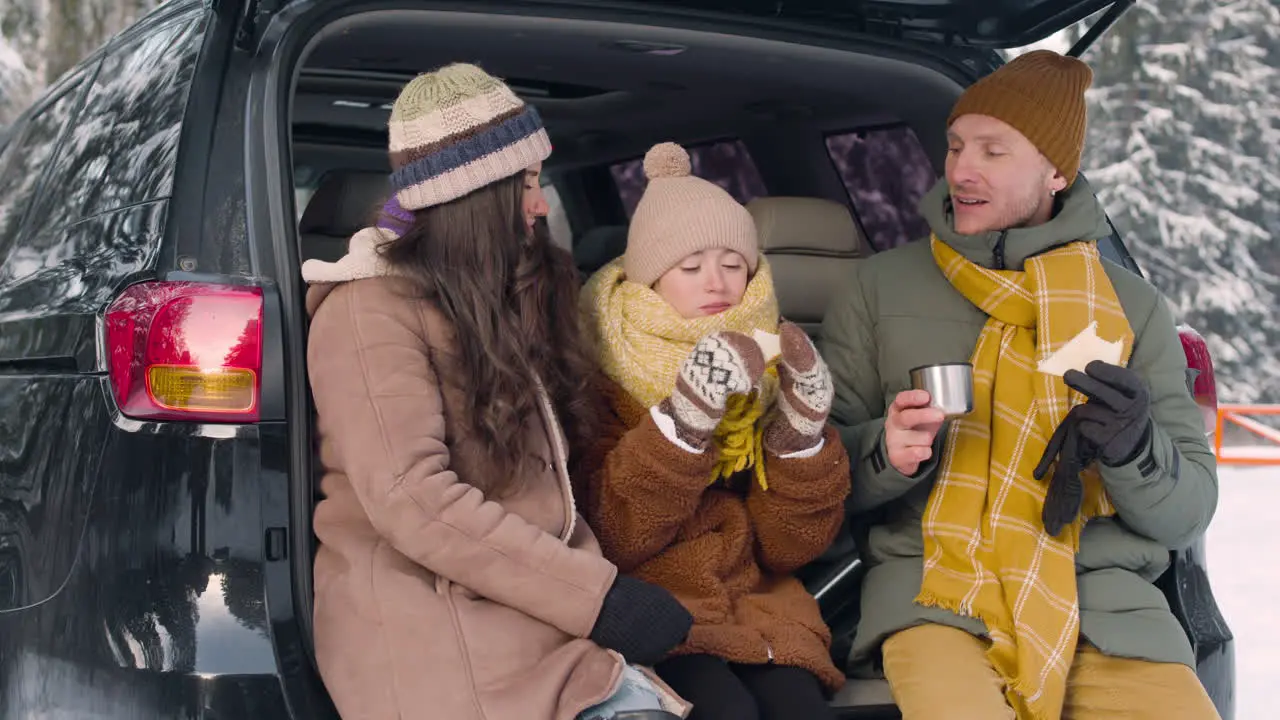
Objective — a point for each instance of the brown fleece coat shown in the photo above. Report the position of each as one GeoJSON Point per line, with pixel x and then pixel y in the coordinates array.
{"type": "Point", "coordinates": [432, 600]}
{"type": "Point", "coordinates": [727, 555]}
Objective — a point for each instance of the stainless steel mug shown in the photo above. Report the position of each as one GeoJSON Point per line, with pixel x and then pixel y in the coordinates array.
{"type": "Point", "coordinates": [950, 386]}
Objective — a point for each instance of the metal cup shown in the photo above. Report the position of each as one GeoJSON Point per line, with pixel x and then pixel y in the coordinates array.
{"type": "Point", "coordinates": [950, 386]}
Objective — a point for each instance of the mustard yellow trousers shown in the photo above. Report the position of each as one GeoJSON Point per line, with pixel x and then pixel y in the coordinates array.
{"type": "Point", "coordinates": [942, 673]}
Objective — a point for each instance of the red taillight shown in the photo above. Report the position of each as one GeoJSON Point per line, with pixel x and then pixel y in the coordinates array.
{"type": "Point", "coordinates": [186, 351]}
{"type": "Point", "coordinates": [1205, 388]}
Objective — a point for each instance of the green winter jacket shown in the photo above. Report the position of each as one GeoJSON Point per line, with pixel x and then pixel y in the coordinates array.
{"type": "Point", "coordinates": [899, 312]}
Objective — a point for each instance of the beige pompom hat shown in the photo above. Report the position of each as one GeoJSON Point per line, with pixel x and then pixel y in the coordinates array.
{"type": "Point", "coordinates": [681, 214]}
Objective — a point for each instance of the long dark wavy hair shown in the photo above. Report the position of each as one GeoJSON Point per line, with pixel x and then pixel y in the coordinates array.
{"type": "Point", "coordinates": [512, 297]}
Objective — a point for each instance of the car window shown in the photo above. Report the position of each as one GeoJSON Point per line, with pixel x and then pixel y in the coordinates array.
{"type": "Point", "coordinates": [306, 178]}
{"type": "Point", "coordinates": [120, 150]}
{"type": "Point", "coordinates": [886, 172]}
{"type": "Point", "coordinates": [27, 155]}
{"type": "Point", "coordinates": [557, 218]}
{"type": "Point", "coordinates": [726, 163]}
{"type": "Point", "coordinates": [8, 153]}
{"type": "Point", "coordinates": [301, 196]}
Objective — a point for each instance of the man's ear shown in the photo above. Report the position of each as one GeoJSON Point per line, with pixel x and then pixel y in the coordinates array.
{"type": "Point", "coordinates": [1057, 183]}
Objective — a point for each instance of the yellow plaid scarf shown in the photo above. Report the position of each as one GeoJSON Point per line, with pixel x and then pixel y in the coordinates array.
{"type": "Point", "coordinates": [986, 552]}
{"type": "Point", "coordinates": [641, 342]}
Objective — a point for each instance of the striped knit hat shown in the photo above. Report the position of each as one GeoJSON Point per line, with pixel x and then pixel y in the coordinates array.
{"type": "Point", "coordinates": [456, 130]}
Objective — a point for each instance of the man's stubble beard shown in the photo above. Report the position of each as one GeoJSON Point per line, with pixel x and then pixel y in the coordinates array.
{"type": "Point", "coordinates": [1026, 212]}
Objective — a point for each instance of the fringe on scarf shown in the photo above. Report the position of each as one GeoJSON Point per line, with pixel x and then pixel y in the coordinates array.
{"type": "Point", "coordinates": [739, 439]}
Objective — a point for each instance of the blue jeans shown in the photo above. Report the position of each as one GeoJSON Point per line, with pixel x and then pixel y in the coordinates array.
{"type": "Point", "coordinates": [634, 693]}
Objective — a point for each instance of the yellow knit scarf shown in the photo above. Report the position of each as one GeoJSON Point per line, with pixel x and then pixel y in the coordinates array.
{"type": "Point", "coordinates": [986, 552]}
{"type": "Point", "coordinates": [641, 341]}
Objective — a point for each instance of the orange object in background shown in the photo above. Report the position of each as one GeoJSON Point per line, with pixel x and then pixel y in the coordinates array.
{"type": "Point", "coordinates": [1252, 441]}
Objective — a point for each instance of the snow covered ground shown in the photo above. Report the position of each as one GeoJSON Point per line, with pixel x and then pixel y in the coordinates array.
{"type": "Point", "coordinates": [1244, 568]}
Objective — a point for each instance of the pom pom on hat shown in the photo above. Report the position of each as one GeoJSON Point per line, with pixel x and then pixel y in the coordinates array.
{"type": "Point", "coordinates": [667, 160]}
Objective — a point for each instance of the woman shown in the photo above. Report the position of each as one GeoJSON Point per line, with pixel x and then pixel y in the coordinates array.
{"type": "Point", "coordinates": [718, 477]}
{"type": "Point", "coordinates": [454, 577]}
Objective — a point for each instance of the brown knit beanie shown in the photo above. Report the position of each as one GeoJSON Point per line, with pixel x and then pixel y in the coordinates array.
{"type": "Point", "coordinates": [680, 214]}
{"type": "Point", "coordinates": [1040, 94]}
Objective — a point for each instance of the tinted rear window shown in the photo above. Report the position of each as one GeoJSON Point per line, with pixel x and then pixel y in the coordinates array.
{"type": "Point", "coordinates": [119, 150]}
{"type": "Point", "coordinates": [123, 147]}
{"type": "Point", "coordinates": [28, 154]}
{"type": "Point", "coordinates": [726, 163]}
{"type": "Point", "coordinates": [886, 172]}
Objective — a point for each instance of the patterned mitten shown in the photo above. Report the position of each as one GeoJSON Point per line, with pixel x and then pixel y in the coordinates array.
{"type": "Point", "coordinates": [805, 397]}
{"type": "Point", "coordinates": [721, 364]}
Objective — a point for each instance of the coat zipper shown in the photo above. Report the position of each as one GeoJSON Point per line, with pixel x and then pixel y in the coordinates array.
{"type": "Point", "coordinates": [997, 253]}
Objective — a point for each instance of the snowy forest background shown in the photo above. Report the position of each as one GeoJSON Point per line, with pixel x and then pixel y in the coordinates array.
{"type": "Point", "coordinates": [1184, 152]}
{"type": "Point", "coordinates": [1183, 148]}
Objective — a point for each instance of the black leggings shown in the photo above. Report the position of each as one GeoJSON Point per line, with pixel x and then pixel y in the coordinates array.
{"type": "Point", "coordinates": [724, 691]}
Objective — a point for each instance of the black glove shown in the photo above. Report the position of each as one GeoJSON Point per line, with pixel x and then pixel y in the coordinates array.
{"type": "Point", "coordinates": [1065, 496]}
{"type": "Point", "coordinates": [1117, 417]}
{"type": "Point", "coordinates": [641, 621]}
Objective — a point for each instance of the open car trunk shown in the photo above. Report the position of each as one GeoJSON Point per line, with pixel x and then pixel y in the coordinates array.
{"type": "Point", "coordinates": [612, 78]}
{"type": "Point", "coordinates": [973, 23]}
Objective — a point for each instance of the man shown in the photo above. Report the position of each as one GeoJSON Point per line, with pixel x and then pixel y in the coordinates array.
{"type": "Point", "coordinates": [971, 606]}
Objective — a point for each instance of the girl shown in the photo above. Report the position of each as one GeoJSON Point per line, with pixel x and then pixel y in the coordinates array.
{"type": "Point", "coordinates": [718, 476]}
{"type": "Point", "coordinates": [454, 577]}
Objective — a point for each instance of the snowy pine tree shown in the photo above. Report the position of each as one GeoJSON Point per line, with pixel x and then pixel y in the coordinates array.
{"type": "Point", "coordinates": [1184, 152]}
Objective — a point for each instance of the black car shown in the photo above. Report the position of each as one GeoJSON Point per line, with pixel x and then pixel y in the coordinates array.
{"type": "Point", "coordinates": [156, 468]}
